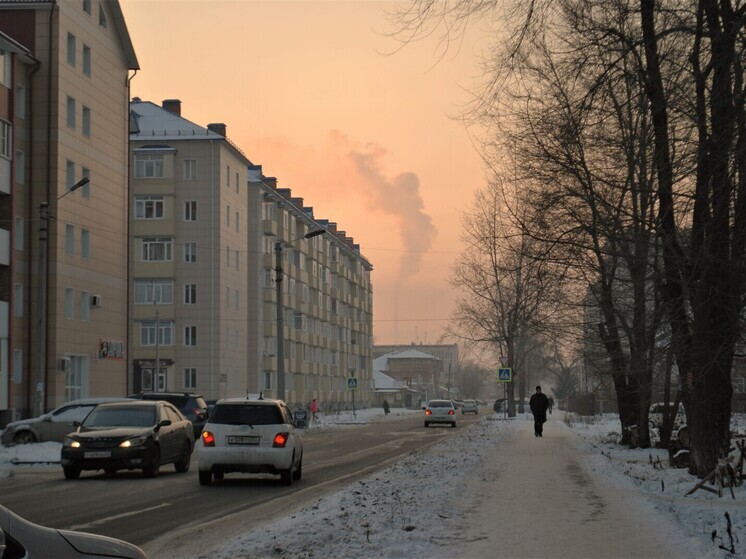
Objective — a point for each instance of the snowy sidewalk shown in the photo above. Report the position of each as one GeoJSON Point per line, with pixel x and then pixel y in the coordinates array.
{"type": "Point", "coordinates": [536, 497]}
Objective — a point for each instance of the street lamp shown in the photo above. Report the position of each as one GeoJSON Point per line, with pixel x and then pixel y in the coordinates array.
{"type": "Point", "coordinates": [280, 311]}
{"type": "Point", "coordinates": [41, 309]}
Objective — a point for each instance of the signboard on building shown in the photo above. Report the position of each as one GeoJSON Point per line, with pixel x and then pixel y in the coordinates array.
{"type": "Point", "coordinates": [110, 349]}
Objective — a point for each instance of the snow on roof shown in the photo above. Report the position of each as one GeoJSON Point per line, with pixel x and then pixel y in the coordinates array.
{"type": "Point", "coordinates": [152, 121]}
{"type": "Point", "coordinates": [387, 384]}
{"type": "Point", "coordinates": [411, 354]}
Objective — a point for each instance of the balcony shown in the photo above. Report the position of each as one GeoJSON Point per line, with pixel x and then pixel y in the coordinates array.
{"type": "Point", "coordinates": [269, 227]}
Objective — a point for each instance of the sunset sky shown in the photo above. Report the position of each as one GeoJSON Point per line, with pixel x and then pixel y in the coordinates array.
{"type": "Point", "coordinates": [320, 95]}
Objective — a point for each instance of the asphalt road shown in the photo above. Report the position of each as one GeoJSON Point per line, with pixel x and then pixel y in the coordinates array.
{"type": "Point", "coordinates": [153, 511]}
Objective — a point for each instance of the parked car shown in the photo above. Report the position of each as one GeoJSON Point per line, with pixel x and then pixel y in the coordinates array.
{"type": "Point", "coordinates": [193, 406]}
{"type": "Point", "coordinates": [250, 435]}
{"type": "Point", "coordinates": [440, 411]}
{"type": "Point", "coordinates": [51, 426]}
{"type": "Point", "coordinates": [129, 435]}
{"type": "Point", "coordinates": [469, 406]}
{"type": "Point", "coordinates": [655, 415]}
{"type": "Point", "coordinates": [20, 538]}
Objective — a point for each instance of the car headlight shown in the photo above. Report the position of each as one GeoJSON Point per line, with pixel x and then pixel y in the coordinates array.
{"type": "Point", "coordinates": [134, 441]}
{"type": "Point", "coordinates": [71, 443]}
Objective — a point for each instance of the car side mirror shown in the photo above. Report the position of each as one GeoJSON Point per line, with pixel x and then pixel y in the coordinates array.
{"type": "Point", "coordinates": [164, 423]}
{"type": "Point", "coordinates": [47, 418]}
{"type": "Point", "coordinates": [76, 423]}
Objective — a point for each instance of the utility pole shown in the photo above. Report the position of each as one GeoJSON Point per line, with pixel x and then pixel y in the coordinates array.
{"type": "Point", "coordinates": [157, 374]}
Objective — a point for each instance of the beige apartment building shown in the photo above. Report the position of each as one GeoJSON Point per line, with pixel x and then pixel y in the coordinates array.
{"type": "Point", "coordinates": [64, 271]}
{"type": "Point", "coordinates": [327, 300]}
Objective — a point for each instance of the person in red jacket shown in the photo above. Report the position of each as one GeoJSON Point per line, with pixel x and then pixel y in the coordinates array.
{"type": "Point", "coordinates": [314, 410]}
{"type": "Point", "coordinates": [539, 405]}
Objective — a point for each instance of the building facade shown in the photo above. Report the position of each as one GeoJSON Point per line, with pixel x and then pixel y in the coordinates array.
{"type": "Point", "coordinates": [66, 281]}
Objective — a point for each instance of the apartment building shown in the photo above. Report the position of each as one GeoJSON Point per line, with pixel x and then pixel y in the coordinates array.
{"type": "Point", "coordinates": [327, 300]}
{"type": "Point", "coordinates": [189, 259]}
{"type": "Point", "coordinates": [66, 68]}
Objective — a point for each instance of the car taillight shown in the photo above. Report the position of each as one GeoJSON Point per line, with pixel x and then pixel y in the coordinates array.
{"type": "Point", "coordinates": [428, 412]}
{"type": "Point", "coordinates": [451, 412]}
{"type": "Point", "coordinates": [208, 439]}
{"type": "Point", "coordinates": [281, 440]}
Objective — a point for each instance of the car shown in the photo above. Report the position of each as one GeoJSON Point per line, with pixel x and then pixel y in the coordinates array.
{"type": "Point", "coordinates": [20, 538]}
{"type": "Point", "coordinates": [193, 406]}
{"type": "Point", "coordinates": [52, 426]}
{"type": "Point", "coordinates": [655, 415]}
{"type": "Point", "coordinates": [251, 436]}
{"type": "Point", "coordinates": [129, 435]}
{"type": "Point", "coordinates": [469, 406]}
{"type": "Point", "coordinates": [440, 411]}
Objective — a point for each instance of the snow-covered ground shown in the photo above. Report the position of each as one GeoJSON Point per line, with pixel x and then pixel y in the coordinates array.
{"type": "Point", "coordinates": [404, 509]}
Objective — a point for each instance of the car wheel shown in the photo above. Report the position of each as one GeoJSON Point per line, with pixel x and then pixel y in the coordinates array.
{"type": "Point", "coordinates": [299, 470]}
{"type": "Point", "coordinates": [152, 469]}
{"type": "Point", "coordinates": [219, 475]}
{"type": "Point", "coordinates": [110, 471]}
{"type": "Point", "coordinates": [286, 477]}
{"type": "Point", "coordinates": [427, 424]}
{"type": "Point", "coordinates": [205, 477]}
{"type": "Point", "coordinates": [71, 473]}
{"type": "Point", "coordinates": [453, 425]}
{"type": "Point", "coordinates": [182, 465]}
{"type": "Point", "coordinates": [24, 437]}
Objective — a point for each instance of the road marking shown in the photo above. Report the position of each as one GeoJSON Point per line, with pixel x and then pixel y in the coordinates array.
{"type": "Point", "coordinates": [116, 517]}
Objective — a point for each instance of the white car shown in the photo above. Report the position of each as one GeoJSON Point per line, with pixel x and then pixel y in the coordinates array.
{"type": "Point", "coordinates": [440, 411]}
{"type": "Point", "coordinates": [252, 436]}
{"type": "Point", "coordinates": [470, 406]}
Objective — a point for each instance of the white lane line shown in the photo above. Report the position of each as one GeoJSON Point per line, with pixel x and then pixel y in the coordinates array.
{"type": "Point", "coordinates": [117, 517]}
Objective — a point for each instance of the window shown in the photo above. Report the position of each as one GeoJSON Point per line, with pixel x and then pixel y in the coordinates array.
{"type": "Point", "coordinates": [20, 101]}
{"type": "Point", "coordinates": [228, 216]}
{"type": "Point", "coordinates": [69, 240]}
{"type": "Point", "coordinates": [87, 6]}
{"type": "Point", "coordinates": [85, 190]}
{"type": "Point", "coordinates": [5, 139]}
{"type": "Point", "coordinates": [165, 333]}
{"type": "Point", "coordinates": [190, 377]}
{"type": "Point", "coordinates": [237, 225]}
{"type": "Point", "coordinates": [148, 207]}
{"type": "Point", "coordinates": [70, 112]}
{"type": "Point", "coordinates": [149, 291]}
{"type": "Point", "coordinates": [85, 305]}
{"type": "Point", "coordinates": [190, 336]}
{"type": "Point", "coordinates": [228, 176]}
{"type": "Point", "coordinates": [227, 257]}
{"type": "Point", "coordinates": [190, 252]}
{"type": "Point", "coordinates": [190, 294]}
{"type": "Point", "coordinates": [157, 249]}
{"type": "Point", "coordinates": [86, 60]}
{"type": "Point", "coordinates": [85, 244]}
{"type": "Point", "coordinates": [190, 210]}
{"type": "Point", "coordinates": [238, 267]}
{"type": "Point", "coordinates": [69, 174]}
{"type": "Point", "coordinates": [86, 121]}
{"type": "Point", "coordinates": [69, 303]}
{"type": "Point", "coordinates": [267, 380]}
{"type": "Point", "coordinates": [20, 167]}
{"type": "Point", "coordinates": [71, 48]}
{"type": "Point", "coordinates": [102, 21]}
{"type": "Point", "coordinates": [149, 166]}
{"type": "Point", "coordinates": [190, 169]}
{"type": "Point", "coordinates": [19, 233]}
{"type": "Point", "coordinates": [236, 182]}
{"type": "Point", "coordinates": [18, 300]}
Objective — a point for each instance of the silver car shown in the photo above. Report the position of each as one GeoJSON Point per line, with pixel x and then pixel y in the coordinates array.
{"type": "Point", "coordinates": [470, 406]}
{"type": "Point", "coordinates": [440, 411]}
{"type": "Point", "coordinates": [51, 426]}
{"type": "Point", "coordinates": [21, 538]}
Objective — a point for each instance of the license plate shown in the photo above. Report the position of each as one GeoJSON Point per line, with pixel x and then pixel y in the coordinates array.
{"type": "Point", "coordinates": [98, 454]}
{"type": "Point", "coordinates": [242, 439]}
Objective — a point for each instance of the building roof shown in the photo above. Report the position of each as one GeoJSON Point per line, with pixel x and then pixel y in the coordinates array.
{"type": "Point", "coordinates": [411, 354]}
{"type": "Point", "coordinates": [385, 383]}
{"type": "Point", "coordinates": [9, 44]}
{"type": "Point", "coordinates": [153, 122]}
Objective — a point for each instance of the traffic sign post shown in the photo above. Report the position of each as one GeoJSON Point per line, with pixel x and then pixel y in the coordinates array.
{"type": "Point", "coordinates": [352, 385]}
{"type": "Point", "coordinates": [504, 376]}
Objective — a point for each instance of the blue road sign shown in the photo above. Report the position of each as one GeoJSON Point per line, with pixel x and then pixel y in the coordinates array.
{"type": "Point", "coordinates": [504, 374]}
{"type": "Point", "coordinates": [352, 383]}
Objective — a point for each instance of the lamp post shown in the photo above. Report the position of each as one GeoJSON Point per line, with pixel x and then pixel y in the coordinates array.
{"type": "Point", "coordinates": [156, 375]}
{"type": "Point", "coordinates": [280, 311]}
{"type": "Point", "coordinates": [41, 309]}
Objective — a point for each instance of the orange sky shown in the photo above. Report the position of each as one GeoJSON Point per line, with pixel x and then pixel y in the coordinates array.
{"type": "Point", "coordinates": [310, 90]}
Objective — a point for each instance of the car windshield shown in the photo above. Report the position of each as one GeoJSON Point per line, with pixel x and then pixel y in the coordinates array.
{"type": "Point", "coordinates": [440, 404]}
{"type": "Point", "coordinates": [121, 417]}
{"type": "Point", "coordinates": [246, 414]}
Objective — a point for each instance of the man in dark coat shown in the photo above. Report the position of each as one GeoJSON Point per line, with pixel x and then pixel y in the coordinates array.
{"type": "Point", "coordinates": [539, 404]}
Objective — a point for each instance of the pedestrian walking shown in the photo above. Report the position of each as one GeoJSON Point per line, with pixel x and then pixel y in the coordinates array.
{"type": "Point", "coordinates": [386, 408]}
{"type": "Point", "coordinates": [539, 405]}
{"type": "Point", "coordinates": [551, 403]}
{"type": "Point", "coordinates": [314, 410]}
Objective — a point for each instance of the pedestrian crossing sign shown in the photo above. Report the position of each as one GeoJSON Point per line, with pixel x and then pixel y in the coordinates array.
{"type": "Point", "coordinates": [352, 383]}
{"type": "Point", "coordinates": [504, 374]}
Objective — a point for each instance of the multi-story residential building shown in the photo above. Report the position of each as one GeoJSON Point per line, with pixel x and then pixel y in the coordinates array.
{"type": "Point", "coordinates": [65, 273]}
{"type": "Point", "coordinates": [447, 353]}
{"type": "Point", "coordinates": [327, 300]}
{"type": "Point", "coordinates": [189, 259]}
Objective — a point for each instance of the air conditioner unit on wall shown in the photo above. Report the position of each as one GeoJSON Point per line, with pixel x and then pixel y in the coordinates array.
{"type": "Point", "coordinates": [63, 365]}
{"type": "Point", "coordinates": [95, 301]}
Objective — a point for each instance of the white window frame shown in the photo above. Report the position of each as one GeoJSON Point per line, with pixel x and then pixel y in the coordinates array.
{"type": "Point", "coordinates": [154, 247]}
{"type": "Point", "coordinates": [158, 291]}
{"type": "Point", "coordinates": [190, 210]}
{"type": "Point", "coordinates": [6, 139]}
{"type": "Point", "coordinates": [72, 47]}
{"type": "Point", "coordinates": [149, 207]}
{"type": "Point", "coordinates": [190, 169]}
{"type": "Point", "coordinates": [190, 252]}
{"type": "Point", "coordinates": [86, 60]}
{"type": "Point", "coordinates": [149, 165]}
{"type": "Point", "coordinates": [166, 331]}
{"type": "Point", "coordinates": [190, 335]}
{"type": "Point", "coordinates": [190, 294]}
{"type": "Point", "coordinates": [190, 377]}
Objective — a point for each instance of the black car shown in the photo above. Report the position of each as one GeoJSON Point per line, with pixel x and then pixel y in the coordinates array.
{"type": "Point", "coordinates": [129, 435]}
{"type": "Point", "coordinates": [193, 406]}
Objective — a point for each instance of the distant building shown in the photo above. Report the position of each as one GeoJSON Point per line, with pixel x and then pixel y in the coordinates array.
{"type": "Point", "coordinates": [420, 372]}
{"type": "Point", "coordinates": [63, 118]}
